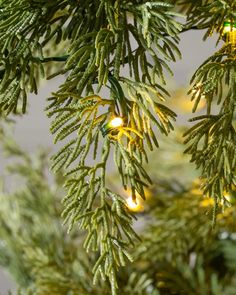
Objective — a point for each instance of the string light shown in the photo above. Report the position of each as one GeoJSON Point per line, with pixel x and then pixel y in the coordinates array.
{"type": "Point", "coordinates": [229, 27]}
{"type": "Point", "coordinates": [134, 206]}
{"type": "Point", "coordinates": [229, 32]}
{"type": "Point", "coordinates": [115, 123]}
{"type": "Point", "coordinates": [228, 197]}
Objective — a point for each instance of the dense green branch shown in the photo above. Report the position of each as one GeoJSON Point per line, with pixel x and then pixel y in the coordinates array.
{"type": "Point", "coordinates": [65, 57]}
{"type": "Point", "coordinates": [99, 35]}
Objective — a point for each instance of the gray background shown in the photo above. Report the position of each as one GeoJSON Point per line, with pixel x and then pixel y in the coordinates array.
{"type": "Point", "coordinates": [33, 129]}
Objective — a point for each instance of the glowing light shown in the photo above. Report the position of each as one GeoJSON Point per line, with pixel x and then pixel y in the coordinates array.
{"type": "Point", "coordinates": [226, 199]}
{"type": "Point", "coordinates": [136, 207]}
{"type": "Point", "coordinates": [227, 196]}
{"type": "Point", "coordinates": [208, 202]}
{"type": "Point", "coordinates": [116, 122]}
{"type": "Point", "coordinates": [229, 33]}
{"type": "Point", "coordinates": [185, 105]}
{"type": "Point", "coordinates": [229, 27]}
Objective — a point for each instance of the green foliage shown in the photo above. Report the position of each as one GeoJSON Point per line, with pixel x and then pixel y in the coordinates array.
{"type": "Point", "coordinates": [211, 141]}
{"type": "Point", "coordinates": [211, 14]}
{"type": "Point", "coordinates": [95, 57]}
{"type": "Point", "coordinates": [96, 41]}
{"type": "Point", "coordinates": [22, 26]}
{"type": "Point", "coordinates": [35, 248]}
{"type": "Point", "coordinates": [99, 35]}
{"type": "Point", "coordinates": [179, 253]}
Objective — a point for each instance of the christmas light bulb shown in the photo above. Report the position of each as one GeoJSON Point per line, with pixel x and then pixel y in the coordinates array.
{"type": "Point", "coordinates": [115, 123]}
{"type": "Point", "coordinates": [134, 206]}
{"type": "Point", "coordinates": [229, 33]}
{"type": "Point", "coordinates": [227, 196]}
{"type": "Point", "coordinates": [229, 27]}
{"type": "Point", "coordinates": [226, 200]}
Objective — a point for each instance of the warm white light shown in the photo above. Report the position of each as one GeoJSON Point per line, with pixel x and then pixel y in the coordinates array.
{"type": "Point", "coordinates": [228, 29]}
{"type": "Point", "coordinates": [134, 206]}
{"type": "Point", "coordinates": [227, 197]}
{"type": "Point", "coordinates": [116, 122]}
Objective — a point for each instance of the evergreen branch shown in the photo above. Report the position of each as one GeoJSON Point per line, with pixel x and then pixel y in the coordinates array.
{"type": "Point", "coordinates": [172, 257]}
{"type": "Point", "coordinates": [65, 57]}
{"type": "Point", "coordinates": [88, 63]}
{"type": "Point", "coordinates": [211, 15]}
{"type": "Point", "coordinates": [211, 142]}
{"type": "Point", "coordinates": [99, 33]}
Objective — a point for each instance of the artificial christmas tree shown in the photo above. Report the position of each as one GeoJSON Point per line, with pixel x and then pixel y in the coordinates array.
{"type": "Point", "coordinates": [100, 112]}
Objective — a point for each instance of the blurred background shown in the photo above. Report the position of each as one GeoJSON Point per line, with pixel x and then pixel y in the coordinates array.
{"type": "Point", "coordinates": [32, 130]}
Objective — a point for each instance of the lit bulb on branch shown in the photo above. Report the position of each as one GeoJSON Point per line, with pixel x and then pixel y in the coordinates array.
{"type": "Point", "coordinates": [114, 124]}
{"type": "Point", "coordinates": [227, 199]}
{"type": "Point", "coordinates": [139, 203]}
{"type": "Point", "coordinates": [134, 206]}
{"type": "Point", "coordinates": [229, 27]}
{"type": "Point", "coordinates": [229, 32]}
